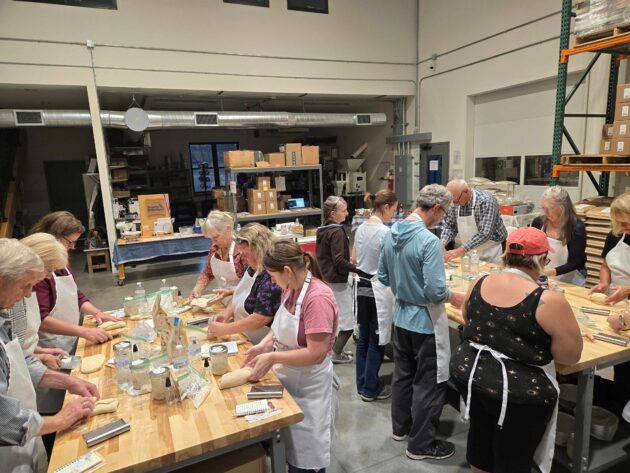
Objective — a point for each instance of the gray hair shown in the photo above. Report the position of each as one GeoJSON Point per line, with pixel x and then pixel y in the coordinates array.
{"type": "Point", "coordinates": [433, 194]}
{"type": "Point", "coordinates": [17, 259]}
{"type": "Point", "coordinates": [219, 221]}
{"type": "Point", "coordinates": [567, 212]}
{"type": "Point", "coordinates": [331, 204]}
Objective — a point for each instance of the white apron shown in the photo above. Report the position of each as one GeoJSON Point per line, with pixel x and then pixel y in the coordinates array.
{"type": "Point", "coordinates": [241, 292]}
{"type": "Point", "coordinates": [560, 256]}
{"type": "Point", "coordinates": [31, 456]}
{"type": "Point", "coordinates": [618, 260]}
{"type": "Point", "coordinates": [309, 442]}
{"type": "Point", "coordinates": [489, 251]}
{"type": "Point", "coordinates": [345, 298]}
{"type": "Point", "coordinates": [49, 401]}
{"type": "Point", "coordinates": [224, 271]}
{"type": "Point", "coordinates": [545, 450]}
{"type": "Point", "coordinates": [33, 321]}
{"type": "Point", "coordinates": [385, 300]}
{"type": "Point", "coordinates": [66, 309]}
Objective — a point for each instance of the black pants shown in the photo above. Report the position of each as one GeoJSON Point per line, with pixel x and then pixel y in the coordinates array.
{"type": "Point", "coordinates": [417, 398]}
{"type": "Point", "coordinates": [507, 449]}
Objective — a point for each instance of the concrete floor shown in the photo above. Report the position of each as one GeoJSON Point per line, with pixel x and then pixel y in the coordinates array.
{"type": "Point", "coordinates": [362, 442]}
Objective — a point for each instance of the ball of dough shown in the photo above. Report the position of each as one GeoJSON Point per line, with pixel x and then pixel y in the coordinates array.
{"type": "Point", "coordinates": [598, 298]}
{"type": "Point", "coordinates": [91, 364]}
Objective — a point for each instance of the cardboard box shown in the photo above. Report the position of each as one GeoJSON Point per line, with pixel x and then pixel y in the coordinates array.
{"type": "Point", "coordinates": [272, 206]}
{"type": "Point", "coordinates": [622, 111]}
{"type": "Point", "coordinates": [293, 154]}
{"type": "Point", "coordinates": [238, 159]}
{"type": "Point", "coordinates": [218, 193]}
{"type": "Point", "coordinates": [310, 231]}
{"type": "Point", "coordinates": [310, 155]}
{"type": "Point", "coordinates": [120, 174]}
{"type": "Point", "coordinates": [623, 93]}
{"type": "Point", "coordinates": [263, 183]}
{"type": "Point", "coordinates": [621, 129]}
{"type": "Point", "coordinates": [271, 195]}
{"type": "Point", "coordinates": [275, 159]}
{"type": "Point", "coordinates": [257, 208]}
{"type": "Point", "coordinates": [256, 195]}
{"type": "Point", "coordinates": [605, 146]}
{"type": "Point", "coordinates": [607, 131]}
{"type": "Point", "coordinates": [621, 146]}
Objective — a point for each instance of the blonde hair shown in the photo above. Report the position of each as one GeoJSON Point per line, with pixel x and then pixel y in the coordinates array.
{"type": "Point", "coordinates": [620, 207]}
{"type": "Point", "coordinates": [259, 239]}
{"type": "Point", "coordinates": [52, 253]}
{"type": "Point", "coordinates": [17, 259]}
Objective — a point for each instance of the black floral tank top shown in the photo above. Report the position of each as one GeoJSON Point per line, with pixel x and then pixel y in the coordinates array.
{"type": "Point", "coordinates": [514, 332]}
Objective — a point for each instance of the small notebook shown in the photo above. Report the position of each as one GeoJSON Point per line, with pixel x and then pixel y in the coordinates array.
{"type": "Point", "coordinates": [86, 462]}
{"type": "Point", "coordinates": [249, 408]}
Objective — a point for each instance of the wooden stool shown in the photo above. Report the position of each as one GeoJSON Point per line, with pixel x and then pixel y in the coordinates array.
{"type": "Point", "coordinates": [97, 252]}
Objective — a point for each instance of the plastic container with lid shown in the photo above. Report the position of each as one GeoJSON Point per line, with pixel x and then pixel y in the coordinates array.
{"type": "Point", "coordinates": [158, 378]}
{"type": "Point", "coordinates": [219, 359]}
{"type": "Point", "coordinates": [140, 380]}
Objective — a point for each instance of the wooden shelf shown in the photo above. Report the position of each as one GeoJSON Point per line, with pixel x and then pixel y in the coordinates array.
{"type": "Point", "coordinates": [279, 215]}
{"type": "Point", "coordinates": [314, 167]}
{"type": "Point", "coordinates": [619, 44]}
{"type": "Point", "coordinates": [558, 168]}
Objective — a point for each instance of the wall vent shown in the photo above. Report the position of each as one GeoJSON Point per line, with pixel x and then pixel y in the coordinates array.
{"type": "Point", "coordinates": [28, 118]}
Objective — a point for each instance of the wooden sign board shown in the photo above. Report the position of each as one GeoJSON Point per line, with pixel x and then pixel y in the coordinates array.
{"type": "Point", "coordinates": [152, 207]}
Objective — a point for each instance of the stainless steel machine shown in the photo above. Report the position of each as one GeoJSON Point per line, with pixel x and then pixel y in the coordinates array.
{"type": "Point", "coordinates": [348, 178]}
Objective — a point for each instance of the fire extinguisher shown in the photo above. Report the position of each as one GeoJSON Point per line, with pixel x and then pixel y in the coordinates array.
{"type": "Point", "coordinates": [390, 178]}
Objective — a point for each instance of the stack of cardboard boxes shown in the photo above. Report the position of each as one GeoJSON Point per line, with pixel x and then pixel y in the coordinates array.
{"type": "Point", "coordinates": [616, 137]}
{"type": "Point", "coordinates": [263, 199]}
{"type": "Point", "coordinates": [291, 154]}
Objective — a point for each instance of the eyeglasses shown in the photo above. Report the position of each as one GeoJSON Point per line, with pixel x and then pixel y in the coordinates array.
{"type": "Point", "coordinates": [71, 243]}
{"type": "Point", "coordinates": [460, 197]}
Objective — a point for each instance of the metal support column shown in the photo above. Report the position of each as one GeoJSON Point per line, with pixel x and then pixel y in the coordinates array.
{"type": "Point", "coordinates": [586, 380]}
{"type": "Point", "coordinates": [561, 86]}
{"type": "Point", "coordinates": [604, 178]}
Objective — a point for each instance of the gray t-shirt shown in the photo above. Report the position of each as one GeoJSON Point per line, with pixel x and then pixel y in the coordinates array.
{"type": "Point", "coordinates": [367, 245]}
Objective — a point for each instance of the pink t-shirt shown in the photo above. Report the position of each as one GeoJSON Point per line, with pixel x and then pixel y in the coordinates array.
{"type": "Point", "coordinates": [319, 310]}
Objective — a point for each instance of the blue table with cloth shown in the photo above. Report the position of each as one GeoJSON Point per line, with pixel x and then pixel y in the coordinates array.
{"type": "Point", "coordinates": [147, 249]}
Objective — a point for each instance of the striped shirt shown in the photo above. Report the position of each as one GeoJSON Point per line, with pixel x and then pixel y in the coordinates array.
{"type": "Point", "coordinates": [487, 217]}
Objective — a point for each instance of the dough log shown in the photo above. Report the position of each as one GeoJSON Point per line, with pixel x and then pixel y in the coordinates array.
{"type": "Point", "coordinates": [234, 378]}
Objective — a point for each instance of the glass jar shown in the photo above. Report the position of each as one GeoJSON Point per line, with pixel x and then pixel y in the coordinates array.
{"type": "Point", "coordinates": [158, 381]}
{"type": "Point", "coordinates": [140, 375]}
{"type": "Point", "coordinates": [219, 359]}
{"type": "Point", "coordinates": [122, 359]}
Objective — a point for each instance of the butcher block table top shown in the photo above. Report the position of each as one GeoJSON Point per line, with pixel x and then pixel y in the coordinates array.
{"type": "Point", "coordinates": [595, 353]}
{"type": "Point", "coordinates": [163, 435]}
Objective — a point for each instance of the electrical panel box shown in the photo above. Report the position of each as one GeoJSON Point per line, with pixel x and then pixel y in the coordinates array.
{"type": "Point", "coordinates": [403, 178]}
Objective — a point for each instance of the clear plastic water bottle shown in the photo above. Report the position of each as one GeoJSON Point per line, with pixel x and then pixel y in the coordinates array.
{"type": "Point", "coordinates": [180, 357]}
{"type": "Point", "coordinates": [466, 265]}
{"type": "Point", "coordinates": [194, 348]}
{"type": "Point", "coordinates": [474, 263]}
{"type": "Point", "coordinates": [164, 286]}
{"type": "Point", "coordinates": [139, 292]}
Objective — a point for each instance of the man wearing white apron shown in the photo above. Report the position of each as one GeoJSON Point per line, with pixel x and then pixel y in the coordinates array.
{"type": "Point", "coordinates": [476, 219]}
{"type": "Point", "coordinates": [412, 265]}
{"type": "Point", "coordinates": [311, 386]}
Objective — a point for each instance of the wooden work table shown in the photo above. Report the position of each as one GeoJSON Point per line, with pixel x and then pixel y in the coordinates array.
{"type": "Point", "coordinates": [167, 438]}
{"type": "Point", "coordinates": [589, 455]}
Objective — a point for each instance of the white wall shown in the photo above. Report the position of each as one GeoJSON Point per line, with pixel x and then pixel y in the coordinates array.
{"type": "Point", "coordinates": [449, 90]}
{"type": "Point", "coordinates": [363, 47]}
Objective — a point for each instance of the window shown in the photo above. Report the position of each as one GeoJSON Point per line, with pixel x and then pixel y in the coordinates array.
{"type": "Point", "coordinates": [110, 4]}
{"type": "Point", "coordinates": [538, 172]}
{"type": "Point", "coordinates": [314, 6]}
{"type": "Point", "coordinates": [506, 168]}
{"type": "Point", "coordinates": [253, 3]}
{"type": "Point", "coordinates": [208, 157]}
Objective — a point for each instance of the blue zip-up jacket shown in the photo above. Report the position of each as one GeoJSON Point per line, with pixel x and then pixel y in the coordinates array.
{"type": "Point", "coordinates": [412, 264]}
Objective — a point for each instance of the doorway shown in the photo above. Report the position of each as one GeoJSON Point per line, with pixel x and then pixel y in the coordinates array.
{"type": "Point", "coordinates": [65, 187]}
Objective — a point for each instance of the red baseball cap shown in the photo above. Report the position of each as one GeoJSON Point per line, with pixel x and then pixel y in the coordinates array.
{"type": "Point", "coordinates": [527, 241]}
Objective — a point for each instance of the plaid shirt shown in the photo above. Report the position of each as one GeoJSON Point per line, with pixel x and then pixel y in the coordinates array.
{"type": "Point", "coordinates": [487, 217]}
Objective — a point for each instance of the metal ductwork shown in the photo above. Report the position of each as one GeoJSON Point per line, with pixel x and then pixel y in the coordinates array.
{"type": "Point", "coordinates": [165, 119]}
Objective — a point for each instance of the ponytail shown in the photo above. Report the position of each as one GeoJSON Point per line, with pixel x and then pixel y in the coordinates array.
{"type": "Point", "coordinates": [313, 266]}
{"type": "Point", "coordinates": [289, 253]}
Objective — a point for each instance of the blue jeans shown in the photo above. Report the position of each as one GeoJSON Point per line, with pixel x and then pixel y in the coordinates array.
{"type": "Point", "coordinates": [370, 354]}
{"type": "Point", "coordinates": [295, 469]}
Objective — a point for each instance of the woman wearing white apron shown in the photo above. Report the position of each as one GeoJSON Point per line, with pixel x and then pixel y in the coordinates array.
{"type": "Point", "coordinates": [21, 449]}
{"type": "Point", "coordinates": [504, 368]}
{"type": "Point", "coordinates": [256, 298]}
{"type": "Point", "coordinates": [333, 256]}
{"type": "Point", "coordinates": [375, 301]}
{"type": "Point", "coordinates": [566, 234]}
{"type": "Point", "coordinates": [298, 348]}
{"type": "Point", "coordinates": [482, 230]}
{"type": "Point", "coordinates": [226, 263]}
{"type": "Point", "coordinates": [54, 256]}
